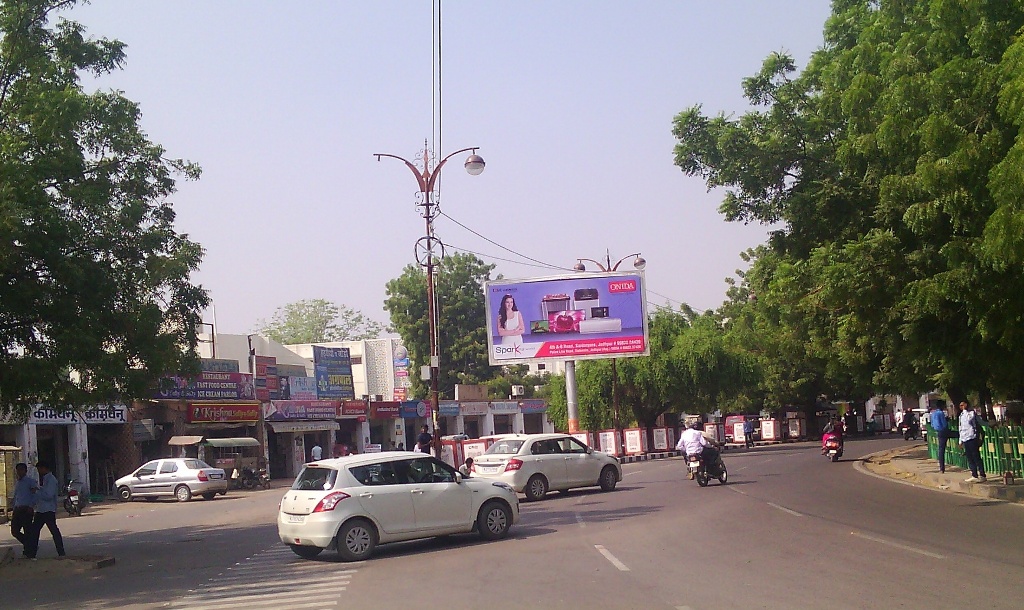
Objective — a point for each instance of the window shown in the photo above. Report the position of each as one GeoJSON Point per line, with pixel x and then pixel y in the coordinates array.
{"type": "Point", "coordinates": [381, 473]}
{"type": "Point", "coordinates": [540, 367]}
{"type": "Point", "coordinates": [196, 464]}
{"type": "Point", "coordinates": [545, 447]}
{"type": "Point", "coordinates": [148, 470]}
{"type": "Point", "coordinates": [315, 477]}
{"type": "Point", "coordinates": [510, 447]}
{"type": "Point", "coordinates": [168, 467]}
{"type": "Point", "coordinates": [429, 470]}
{"type": "Point", "coordinates": [571, 445]}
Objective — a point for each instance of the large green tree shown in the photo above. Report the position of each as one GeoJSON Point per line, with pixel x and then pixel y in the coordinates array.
{"type": "Point", "coordinates": [96, 301]}
{"type": "Point", "coordinates": [462, 325]}
{"type": "Point", "coordinates": [318, 321]}
{"type": "Point", "coordinates": [892, 168]}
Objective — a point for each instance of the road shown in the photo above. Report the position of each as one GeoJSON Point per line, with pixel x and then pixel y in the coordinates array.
{"type": "Point", "coordinates": [790, 530]}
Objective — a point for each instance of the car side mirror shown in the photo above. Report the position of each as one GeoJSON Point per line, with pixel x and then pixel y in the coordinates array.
{"type": "Point", "coordinates": [458, 477]}
{"type": "Point", "coordinates": [590, 450]}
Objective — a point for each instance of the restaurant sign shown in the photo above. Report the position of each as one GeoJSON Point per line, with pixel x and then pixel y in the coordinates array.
{"type": "Point", "coordinates": [204, 413]}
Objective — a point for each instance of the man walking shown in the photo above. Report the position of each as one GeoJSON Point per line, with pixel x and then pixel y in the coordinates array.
{"type": "Point", "coordinates": [940, 426]}
{"type": "Point", "coordinates": [46, 512]}
{"type": "Point", "coordinates": [748, 433]}
{"type": "Point", "coordinates": [24, 501]}
{"type": "Point", "coordinates": [971, 443]}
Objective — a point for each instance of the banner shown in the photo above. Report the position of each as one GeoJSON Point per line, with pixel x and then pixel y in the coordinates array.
{"type": "Point", "coordinates": [265, 378]}
{"type": "Point", "coordinates": [284, 410]}
{"type": "Point", "coordinates": [105, 414]}
{"type": "Point", "coordinates": [573, 317]}
{"type": "Point", "coordinates": [216, 413]}
{"type": "Point", "coordinates": [353, 407]}
{"type": "Point", "coordinates": [448, 408]}
{"type": "Point", "coordinates": [218, 365]}
{"type": "Point", "coordinates": [298, 388]}
{"type": "Point", "coordinates": [384, 410]}
{"type": "Point", "coordinates": [533, 406]}
{"type": "Point", "coordinates": [333, 372]}
{"type": "Point", "coordinates": [209, 386]}
{"type": "Point", "coordinates": [415, 408]}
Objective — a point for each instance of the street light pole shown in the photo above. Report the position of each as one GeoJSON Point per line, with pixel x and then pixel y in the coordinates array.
{"type": "Point", "coordinates": [425, 253]}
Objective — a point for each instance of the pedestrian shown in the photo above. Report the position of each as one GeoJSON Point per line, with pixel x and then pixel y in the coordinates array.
{"type": "Point", "coordinates": [423, 440]}
{"type": "Point", "coordinates": [940, 426]}
{"type": "Point", "coordinates": [748, 433]}
{"type": "Point", "coordinates": [467, 468]}
{"type": "Point", "coordinates": [316, 452]}
{"type": "Point", "coordinates": [970, 440]}
{"type": "Point", "coordinates": [24, 506]}
{"type": "Point", "coordinates": [401, 447]}
{"type": "Point", "coordinates": [46, 512]}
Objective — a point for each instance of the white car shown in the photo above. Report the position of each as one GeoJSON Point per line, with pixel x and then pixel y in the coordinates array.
{"type": "Point", "coordinates": [181, 478]}
{"type": "Point", "coordinates": [356, 502]}
{"type": "Point", "coordinates": [534, 464]}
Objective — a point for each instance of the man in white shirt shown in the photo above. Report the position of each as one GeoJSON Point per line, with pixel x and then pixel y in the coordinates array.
{"type": "Point", "coordinates": [692, 442]}
{"type": "Point", "coordinates": [971, 443]}
{"type": "Point", "coordinates": [316, 452]}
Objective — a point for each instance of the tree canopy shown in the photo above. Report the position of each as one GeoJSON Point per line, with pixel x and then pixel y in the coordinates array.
{"type": "Point", "coordinates": [318, 321]}
{"type": "Point", "coordinates": [97, 301]}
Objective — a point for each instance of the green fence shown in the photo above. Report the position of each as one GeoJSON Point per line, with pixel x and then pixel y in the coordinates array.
{"type": "Point", "coordinates": [1000, 451]}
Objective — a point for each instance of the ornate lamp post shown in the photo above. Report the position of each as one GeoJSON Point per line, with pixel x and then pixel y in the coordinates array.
{"type": "Point", "coordinates": [428, 247]}
{"type": "Point", "coordinates": [638, 263]}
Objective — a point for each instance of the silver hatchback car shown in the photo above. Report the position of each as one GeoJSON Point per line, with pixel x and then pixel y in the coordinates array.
{"type": "Point", "coordinates": [180, 478]}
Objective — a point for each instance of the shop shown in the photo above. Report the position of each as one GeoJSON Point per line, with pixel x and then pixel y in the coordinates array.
{"type": "Point", "coordinates": [353, 433]}
{"type": "Point", "coordinates": [448, 418]}
{"type": "Point", "coordinates": [535, 417]}
{"type": "Point", "coordinates": [296, 426]}
{"type": "Point", "coordinates": [387, 429]}
{"type": "Point", "coordinates": [507, 417]}
{"type": "Point", "coordinates": [476, 419]}
{"type": "Point", "coordinates": [415, 414]}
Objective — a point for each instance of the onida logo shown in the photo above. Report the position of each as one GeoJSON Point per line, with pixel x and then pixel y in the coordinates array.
{"type": "Point", "coordinates": [622, 286]}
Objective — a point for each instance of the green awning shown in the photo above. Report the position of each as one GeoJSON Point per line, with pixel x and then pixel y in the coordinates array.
{"type": "Point", "coordinates": [232, 442]}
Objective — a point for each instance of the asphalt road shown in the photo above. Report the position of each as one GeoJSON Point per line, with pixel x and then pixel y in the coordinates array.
{"type": "Point", "coordinates": [790, 530]}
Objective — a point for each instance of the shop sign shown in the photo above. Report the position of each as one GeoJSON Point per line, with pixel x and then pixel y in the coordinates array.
{"type": "Point", "coordinates": [533, 406]}
{"type": "Point", "coordinates": [473, 408]}
{"type": "Point", "coordinates": [265, 378]}
{"type": "Point", "coordinates": [414, 408]}
{"type": "Point", "coordinates": [104, 414]}
{"type": "Point", "coordinates": [218, 365]}
{"type": "Point", "coordinates": [400, 394]}
{"type": "Point", "coordinates": [208, 386]}
{"type": "Point", "coordinates": [353, 407]}
{"type": "Point", "coordinates": [216, 413]}
{"type": "Point", "coordinates": [505, 406]}
{"type": "Point", "coordinates": [332, 368]}
{"type": "Point", "coordinates": [384, 410]}
{"type": "Point", "coordinates": [283, 410]}
{"type": "Point", "coordinates": [448, 408]}
{"type": "Point", "coordinates": [144, 430]}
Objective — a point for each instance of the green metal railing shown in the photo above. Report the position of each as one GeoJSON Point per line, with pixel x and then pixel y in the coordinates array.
{"type": "Point", "coordinates": [1001, 450]}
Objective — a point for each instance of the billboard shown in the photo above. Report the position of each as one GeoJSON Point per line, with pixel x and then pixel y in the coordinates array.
{"type": "Point", "coordinates": [207, 386]}
{"type": "Point", "coordinates": [332, 368]}
{"type": "Point", "coordinates": [583, 316]}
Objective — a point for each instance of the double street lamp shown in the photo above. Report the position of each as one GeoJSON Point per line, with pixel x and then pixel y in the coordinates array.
{"type": "Point", "coordinates": [570, 366]}
{"type": "Point", "coordinates": [429, 247]}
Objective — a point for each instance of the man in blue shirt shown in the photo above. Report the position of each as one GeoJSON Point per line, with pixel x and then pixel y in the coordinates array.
{"type": "Point", "coordinates": [937, 419]}
{"type": "Point", "coordinates": [24, 501]}
{"type": "Point", "coordinates": [46, 512]}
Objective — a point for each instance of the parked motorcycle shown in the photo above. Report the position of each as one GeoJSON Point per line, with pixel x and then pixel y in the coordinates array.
{"type": "Point", "coordinates": [72, 499]}
{"type": "Point", "coordinates": [250, 478]}
{"type": "Point", "coordinates": [698, 469]}
{"type": "Point", "coordinates": [832, 448]}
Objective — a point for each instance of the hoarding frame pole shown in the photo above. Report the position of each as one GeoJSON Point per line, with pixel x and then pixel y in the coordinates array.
{"type": "Point", "coordinates": [571, 401]}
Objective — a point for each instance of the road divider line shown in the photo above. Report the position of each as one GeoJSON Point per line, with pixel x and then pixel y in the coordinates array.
{"type": "Point", "coordinates": [626, 474]}
{"type": "Point", "coordinates": [898, 545]}
{"type": "Point", "coordinates": [607, 555]}
{"type": "Point", "coordinates": [731, 488]}
{"type": "Point", "coordinates": [785, 510]}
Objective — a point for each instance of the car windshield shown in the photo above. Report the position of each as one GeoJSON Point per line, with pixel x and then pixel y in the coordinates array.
{"type": "Point", "coordinates": [315, 477]}
{"type": "Point", "coordinates": [196, 464]}
{"type": "Point", "coordinates": [508, 446]}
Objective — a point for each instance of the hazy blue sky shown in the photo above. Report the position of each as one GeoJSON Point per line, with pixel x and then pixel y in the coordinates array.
{"type": "Point", "coordinates": [571, 103]}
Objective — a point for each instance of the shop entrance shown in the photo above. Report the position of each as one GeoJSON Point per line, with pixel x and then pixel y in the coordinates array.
{"type": "Point", "coordinates": [503, 424]}
{"type": "Point", "coordinates": [53, 448]}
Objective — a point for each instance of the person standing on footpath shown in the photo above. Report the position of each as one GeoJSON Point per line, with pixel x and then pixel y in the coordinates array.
{"type": "Point", "coordinates": [46, 512]}
{"type": "Point", "coordinates": [940, 425]}
{"type": "Point", "coordinates": [748, 433]}
{"type": "Point", "coordinates": [971, 443]}
{"type": "Point", "coordinates": [24, 503]}
{"type": "Point", "coordinates": [424, 439]}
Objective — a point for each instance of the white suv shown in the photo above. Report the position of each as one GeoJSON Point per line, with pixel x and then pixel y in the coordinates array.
{"type": "Point", "coordinates": [537, 463]}
{"type": "Point", "coordinates": [356, 502]}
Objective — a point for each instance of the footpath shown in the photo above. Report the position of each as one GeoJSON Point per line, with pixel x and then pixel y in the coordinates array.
{"type": "Point", "coordinates": [912, 466]}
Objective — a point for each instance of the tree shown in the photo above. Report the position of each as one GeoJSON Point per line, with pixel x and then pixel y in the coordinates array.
{"type": "Point", "coordinates": [96, 303]}
{"type": "Point", "coordinates": [318, 321]}
{"type": "Point", "coordinates": [462, 325]}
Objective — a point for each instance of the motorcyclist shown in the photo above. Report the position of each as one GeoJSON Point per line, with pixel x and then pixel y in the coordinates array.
{"type": "Point", "coordinates": [693, 442]}
{"type": "Point", "coordinates": [834, 428]}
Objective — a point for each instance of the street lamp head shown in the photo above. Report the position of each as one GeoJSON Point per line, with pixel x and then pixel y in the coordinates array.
{"type": "Point", "coordinates": [475, 165]}
{"type": "Point", "coordinates": [639, 263]}
{"type": "Point", "coordinates": [580, 266]}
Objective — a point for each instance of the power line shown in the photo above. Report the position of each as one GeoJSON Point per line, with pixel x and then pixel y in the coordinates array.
{"type": "Point", "coordinates": [491, 241]}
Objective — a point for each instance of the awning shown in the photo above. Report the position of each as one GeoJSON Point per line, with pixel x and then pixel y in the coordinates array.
{"type": "Point", "coordinates": [303, 426]}
{"type": "Point", "coordinates": [232, 442]}
{"type": "Point", "coordinates": [181, 441]}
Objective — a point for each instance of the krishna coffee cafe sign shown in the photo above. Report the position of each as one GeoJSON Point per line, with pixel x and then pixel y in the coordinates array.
{"type": "Point", "coordinates": [63, 416]}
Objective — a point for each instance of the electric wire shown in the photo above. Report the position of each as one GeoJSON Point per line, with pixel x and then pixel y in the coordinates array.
{"type": "Point", "coordinates": [510, 250]}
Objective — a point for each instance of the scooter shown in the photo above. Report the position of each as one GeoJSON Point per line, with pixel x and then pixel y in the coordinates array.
{"type": "Point", "coordinates": [72, 499]}
{"type": "Point", "coordinates": [831, 447]}
{"type": "Point", "coordinates": [251, 479]}
{"type": "Point", "coordinates": [910, 432]}
{"type": "Point", "coordinates": [698, 469]}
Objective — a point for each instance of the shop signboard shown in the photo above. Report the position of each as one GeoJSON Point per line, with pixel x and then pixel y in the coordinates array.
{"type": "Point", "coordinates": [448, 408]}
{"type": "Point", "coordinates": [208, 386]}
{"type": "Point", "coordinates": [533, 406]}
{"type": "Point", "coordinates": [384, 410]}
{"type": "Point", "coordinates": [332, 368]}
{"type": "Point", "coordinates": [265, 378]}
{"type": "Point", "coordinates": [414, 408]}
{"type": "Point", "coordinates": [504, 406]}
{"type": "Point", "coordinates": [103, 414]}
{"type": "Point", "coordinates": [218, 365]}
{"type": "Point", "coordinates": [204, 413]}
{"type": "Point", "coordinates": [400, 394]}
{"type": "Point", "coordinates": [351, 408]}
{"type": "Point", "coordinates": [284, 410]}
{"type": "Point", "coordinates": [569, 317]}
{"type": "Point", "coordinates": [473, 408]}
{"type": "Point", "coordinates": [301, 388]}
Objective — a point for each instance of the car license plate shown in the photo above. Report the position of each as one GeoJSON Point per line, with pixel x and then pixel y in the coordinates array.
{"type": "Point", "coordinates": [296, 518]}
{"type": "Point", "coordinates": [488, 469]}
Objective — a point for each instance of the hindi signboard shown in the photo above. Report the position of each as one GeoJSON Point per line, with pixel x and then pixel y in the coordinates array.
{"type": "Point", "coordinates": [332, 368]}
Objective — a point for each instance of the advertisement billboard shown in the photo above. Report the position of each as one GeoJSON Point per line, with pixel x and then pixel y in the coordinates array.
{"type": "Point", "coordinates": [583, 316]}
{"type": "Point", "coordinates": [332, 368]}
{"type": "Point", "coordinates": [207, 386]}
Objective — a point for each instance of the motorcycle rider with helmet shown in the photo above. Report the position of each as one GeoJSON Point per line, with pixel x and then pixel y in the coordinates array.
{"type": "Point", "coordinates": [693, 442]}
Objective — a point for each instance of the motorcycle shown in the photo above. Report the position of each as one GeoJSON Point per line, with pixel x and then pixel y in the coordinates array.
{"type": "Point", "coordinates": [250, 478]}
{"type": "Point", "coordinates": [72, 499]}
{"type": "Point", "coordinates": [910, 431]}
{"type": "Point", "coordinates": [698, 469]}
{"type": "Point", "coordinates": [831, 447]}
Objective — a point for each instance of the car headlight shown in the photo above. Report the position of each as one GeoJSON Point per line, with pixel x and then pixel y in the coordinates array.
{"type": "Point", "coordinates": [502, 485]}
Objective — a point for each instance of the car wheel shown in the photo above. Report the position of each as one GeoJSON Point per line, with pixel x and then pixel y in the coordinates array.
{"type": "Point", "coordinates": [608, 479]}
{"type": "Point", "coordinates": [182, 493]}
{"type": "Point", "coordinates": [536, 488]}
{"type": "Point", "coordinates": [306, 552]}
{"type": "Point", "coordinates": [356, 540]}
{"type": "Point", "coordinates": [494, 520]}
{"type": "Point", "coordinates": [210, 495]}
{"type": "Point", "coordinates": [124, 493]}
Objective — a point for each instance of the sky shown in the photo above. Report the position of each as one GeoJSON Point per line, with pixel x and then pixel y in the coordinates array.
{"type": "Point", "coordinates": [571, 104]}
